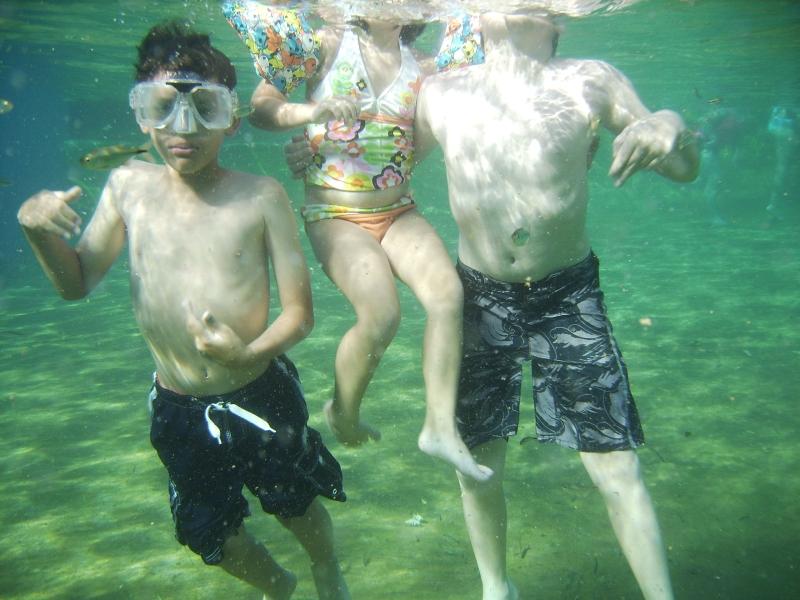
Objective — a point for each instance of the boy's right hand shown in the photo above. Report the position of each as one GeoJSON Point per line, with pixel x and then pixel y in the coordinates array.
{"type": "Point", "coordinates": [49, 211]}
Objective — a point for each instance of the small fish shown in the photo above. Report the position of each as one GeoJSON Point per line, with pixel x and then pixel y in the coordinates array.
{"type": "Point", "coordinates": [6, 106]}
{"type": "Point", "coordinates": [110, 157]}
{"type": "Point", "coordinates": [4, 182]}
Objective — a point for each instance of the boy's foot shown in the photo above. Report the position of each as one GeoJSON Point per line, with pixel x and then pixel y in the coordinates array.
{"type": "Point", "coordinates": [452, 449]}
{"type": "Point", "coordinates": [349, 432]}
{"type": "Point", "coordinates": [329, 581]}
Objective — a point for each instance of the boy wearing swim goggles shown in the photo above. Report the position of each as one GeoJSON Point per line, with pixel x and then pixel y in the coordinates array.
{"type": "Point", "coordinates": [179, 106]}
{"type": "Point", "coordinates": [227, 405]}
{"type": "Point", "coordinates": [182, 102]}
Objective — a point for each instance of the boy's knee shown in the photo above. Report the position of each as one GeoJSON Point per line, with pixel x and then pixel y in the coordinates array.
{"type": "Point", "coordinates": [614, 472]}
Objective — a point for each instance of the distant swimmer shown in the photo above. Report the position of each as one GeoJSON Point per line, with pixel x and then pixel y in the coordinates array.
{"type": "Point", "coordinates": [719, 136]}
{"type": "Point", "coordinates": [783, 127]}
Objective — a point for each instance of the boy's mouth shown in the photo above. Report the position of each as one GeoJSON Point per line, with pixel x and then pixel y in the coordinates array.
{"type": "Point", "coordinates": [182, 149]}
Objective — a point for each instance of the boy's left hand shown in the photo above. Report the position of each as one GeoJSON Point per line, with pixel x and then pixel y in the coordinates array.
{"type": "Point", "coordinates": [215, 340]}
{"type": "Point", "coordinates": [642, 145]}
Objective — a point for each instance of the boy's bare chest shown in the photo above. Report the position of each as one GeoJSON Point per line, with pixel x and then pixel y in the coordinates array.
{"type": "Point", "coordinates": [166, 235]}
{"type": "Point", "coordinates": [531, 126]}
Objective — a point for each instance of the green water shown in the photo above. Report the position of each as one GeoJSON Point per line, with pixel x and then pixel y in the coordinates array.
{"type": "Point", "coordinates": [83, 508]}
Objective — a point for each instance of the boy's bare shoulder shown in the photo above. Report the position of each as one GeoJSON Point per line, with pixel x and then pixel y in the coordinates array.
{"type": "Point", "coordinates": [266, 192]}
{"type": "Point", "coordinates": [588, 68]}
{"type": "Point", "coordinates": [137, 168]}
{"type": "Point", "coordinates": [133, 176]}
{"type": "Point", "coordinates": [454, 78]}
{"type": "Point", "coordinates": [260, 185]}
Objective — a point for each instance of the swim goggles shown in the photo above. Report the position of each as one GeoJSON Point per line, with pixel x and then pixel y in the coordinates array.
{"type": "Point", "coordinates": [183, 103]}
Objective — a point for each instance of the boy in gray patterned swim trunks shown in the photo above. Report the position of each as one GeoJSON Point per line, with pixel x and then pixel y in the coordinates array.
{"type": "Point", "coordinates": [581, 392]}
{"type": "Point", "coordinates": [518, 133]}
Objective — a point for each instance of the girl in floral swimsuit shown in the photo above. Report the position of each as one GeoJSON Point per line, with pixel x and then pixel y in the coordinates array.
{"type": "Point", "coordinates": [360, 216]}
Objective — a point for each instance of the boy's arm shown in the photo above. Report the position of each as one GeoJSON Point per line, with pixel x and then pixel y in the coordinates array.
{"type": "Point", "coordinates": [48, 221]}
{"type": "Point", "coordinates": [291, 274]}
{"type": "Point", "coordinates": [219, 342]}
{"type": "Point", "coordinates": [646, 140]}
{"type": "Point", "coordinates": [424, 140]}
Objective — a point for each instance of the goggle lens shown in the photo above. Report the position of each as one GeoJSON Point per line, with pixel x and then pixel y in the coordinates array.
{"type": "Point", "coordinates": [157, 104]}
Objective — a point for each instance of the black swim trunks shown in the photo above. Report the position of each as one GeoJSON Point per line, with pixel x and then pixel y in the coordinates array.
{"type": "Point", "coordinates": [211, 449]}
{"type": "Point", "coordinates": [581, 392]}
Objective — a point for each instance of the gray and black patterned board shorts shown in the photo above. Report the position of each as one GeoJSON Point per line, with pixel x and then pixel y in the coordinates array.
{"type": "Point", "coordinates": [581, 392]}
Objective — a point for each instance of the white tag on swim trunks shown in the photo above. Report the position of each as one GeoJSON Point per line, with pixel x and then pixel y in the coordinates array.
{"type": "Point", "coordinates": [212, 427]}
{"type": "Point", "coordinates": [238, 411]}
{"type": "Point", "coordinates": [250, 417]}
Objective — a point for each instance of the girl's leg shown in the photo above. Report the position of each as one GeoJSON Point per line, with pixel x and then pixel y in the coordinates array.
{"type": "Point", "coordinates": [357, 264]}
{"type": "Point", "coordinates": [420, 260]}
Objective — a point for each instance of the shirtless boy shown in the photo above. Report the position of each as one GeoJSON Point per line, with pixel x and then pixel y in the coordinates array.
{"type": "Point", "coordinates": [228, 410]}
{"type": "Point", "coordinates": [517, 134]}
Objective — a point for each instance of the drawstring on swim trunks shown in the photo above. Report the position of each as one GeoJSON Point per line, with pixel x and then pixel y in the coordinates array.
{"type": "Point", "coordinates": [236, 410]}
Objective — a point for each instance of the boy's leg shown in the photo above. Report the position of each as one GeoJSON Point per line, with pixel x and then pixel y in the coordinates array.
{"type": "Point", "coordinates": [245, 558]}
{"type": "Point", "coordinates": [421, 261]}
{"type": "Point", "coordinates": [357, 264]}
{"type": "Point", "coordinates": [618, 477]}
{"type": "Point", "coordinates": [314, 531]}
{"type": "Point", "coordinates": [485, 514]}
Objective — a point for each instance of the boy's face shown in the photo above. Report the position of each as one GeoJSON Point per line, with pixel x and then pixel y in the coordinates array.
{"type": "Point", "coordinates": [186, 117]}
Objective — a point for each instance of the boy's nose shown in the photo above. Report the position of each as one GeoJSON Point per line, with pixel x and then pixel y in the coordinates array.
{"type": "Point", "coordinates": [184, 121]}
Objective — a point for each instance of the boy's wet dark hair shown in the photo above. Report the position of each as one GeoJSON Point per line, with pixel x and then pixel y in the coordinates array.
{"type": "Point", "coordinates": [175, 46]}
